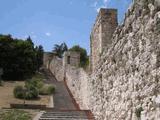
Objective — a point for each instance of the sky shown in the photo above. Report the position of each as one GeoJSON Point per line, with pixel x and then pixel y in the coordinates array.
{"type": "Point", "coordinates": [50, 22]}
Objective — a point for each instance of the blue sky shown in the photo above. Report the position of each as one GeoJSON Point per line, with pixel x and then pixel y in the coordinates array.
{"type": "Point", "coordinates": [50, 22]}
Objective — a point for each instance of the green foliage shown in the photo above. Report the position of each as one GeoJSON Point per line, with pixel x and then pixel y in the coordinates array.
{"type": "Point", "coordinates": [18, 92]}
{"type": "Point", "coordinates": [51, 89]}
{"type": "Point", "coordinates": [33, 88]}
{"type": "Point", "coordinates": [47, 90]}
{"type": "Point", "coordinates": [138, 112]}
{"type": "Point", "coordinates": [39, 55]}
{"type": "Point", "coordinates": [15, 115]}
{"type": "Point", "coordinates": [60, 49]}
{"type": "Point", "coordinates": [19, 58]}
{"type": "Point", "coordinates": [25, 93]}
{"type": "Point", "coordinates": [31, 93]}
{"type": "Point", "coordinates": [84, 59]}
{"type": "Point", "coordinates": [37, 83]}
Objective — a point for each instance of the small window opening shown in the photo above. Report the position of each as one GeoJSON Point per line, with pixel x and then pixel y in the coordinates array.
{"type": "Point", "coordinates": [68, 59]}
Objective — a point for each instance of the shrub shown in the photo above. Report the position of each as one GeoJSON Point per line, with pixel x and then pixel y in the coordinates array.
{"type": "Point", "coordinates": [32, 89]}
{"type": "Point", "coordinates": [37, 83]}
{"type": "Point", "coordinates": [31, 93]}
{"type": "Point", "coordinates": [18, 92]}
{"type": "Point", "coordinates": [51, 89]}
{"type": "Point", "coordinates": [47, 90]}
{"type": "Point", "coordinates": [43, 91]}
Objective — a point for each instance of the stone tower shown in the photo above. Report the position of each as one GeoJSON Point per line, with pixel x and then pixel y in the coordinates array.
{"type": "Point", "coordinates": [71, 58]}
{"type": "Point", "coordinates": [104, 27]}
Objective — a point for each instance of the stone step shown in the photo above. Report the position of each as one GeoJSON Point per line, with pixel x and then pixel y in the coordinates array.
{"type": "Point", "coordinates": [64, 115]}
{"type": "Point", "coordinates": [61, 119]}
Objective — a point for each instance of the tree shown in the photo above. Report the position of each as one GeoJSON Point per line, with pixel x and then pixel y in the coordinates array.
{"type": "Point", "coordinates": [60, 49]}
{"type": "Point", "coordinates": [84, 60]}
{"type": "Point", "coordinates": [30, 41]}
{"type": "Point", "coordinates": [39, 51]}
{"type": "Point", "coordinates": [18, 58]}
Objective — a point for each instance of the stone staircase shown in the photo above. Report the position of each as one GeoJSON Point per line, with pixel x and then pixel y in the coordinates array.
{"type": "Point", "coordinates": [65, 115]}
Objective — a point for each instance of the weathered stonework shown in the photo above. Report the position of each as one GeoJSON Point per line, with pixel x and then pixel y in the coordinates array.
{"type": "Point", "coordinates": [58, 66]}
{"type": "Point", "coordinates": [106, 23]}
{"type": "Point", "coordinates": [71, 58]}
{"type": "Point", "coordinates": [125, 82]}
{"type": "Point", "coordinates": [47, 57]}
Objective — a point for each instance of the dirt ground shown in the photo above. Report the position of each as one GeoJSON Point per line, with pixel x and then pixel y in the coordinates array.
{"type": "Point", "coordinates": [7, 97]}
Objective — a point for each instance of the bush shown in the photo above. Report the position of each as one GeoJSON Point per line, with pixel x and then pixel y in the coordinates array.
{"type": "Point", "coordinates": [51, 89]}
{"type": "Point", "coordinates": [43, 91]}
{"type": "Point", "coordinates": [28, 93]}
{"type": "Point", "coordinates": [47, 90]}
{"type": "Point", "coordinates": [37, 83]}
{"type": "Point", "coordinates": [33, 88]}
{"type": "Point", "coordinates": [18, 92]}
{"type": "Point", "coordinates": [32, 93]}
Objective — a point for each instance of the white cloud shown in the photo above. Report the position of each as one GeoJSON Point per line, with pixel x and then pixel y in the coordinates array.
{"type": "Point", "coordinates": [100, 8]}
{"type": "Point", "coordinates": [48, 34]}
{"type": "Point", "coordinates": [100, 4]}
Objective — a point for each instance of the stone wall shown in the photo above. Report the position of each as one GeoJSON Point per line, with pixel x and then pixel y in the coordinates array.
{"type": "Point", "coordinates": [103, 29]}
{"type": "Point", "coordinates": [126, 82]}
{"type": "Point", "coordinates": [47, 57]}
{"type": "Point", "coordinates": [77, 81]}
{"type": "Point", "coordinates": [72, 58]}
{"type": "Point", "coordinates": [54, 64]}
{"type": "Point", "coordinates": [56, 67]}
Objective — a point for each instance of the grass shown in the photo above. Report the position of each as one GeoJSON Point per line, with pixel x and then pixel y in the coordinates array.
{"type": "Point", "coordinates": [15, 115]}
